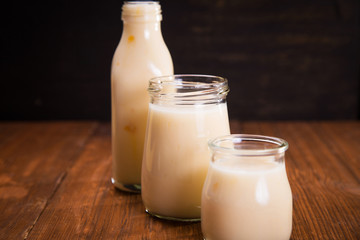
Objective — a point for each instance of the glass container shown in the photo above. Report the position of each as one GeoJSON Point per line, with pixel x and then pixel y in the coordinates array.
{"type": "Point", "coordinates": [246, 194]}
{"type": "Point", "coordinates": [185, 111]}
{"type": "Point", "coordinates": [140, 56]}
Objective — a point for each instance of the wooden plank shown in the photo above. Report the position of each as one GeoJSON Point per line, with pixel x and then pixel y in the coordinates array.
{"type": "Point", "coordinates": [34, 158]}
{"type": "Point", "coordinates": [322, 164]}
{"type": "Point", "coordinates": [86, 205]}
{"type": "Point", "coordinates": [323, 170]}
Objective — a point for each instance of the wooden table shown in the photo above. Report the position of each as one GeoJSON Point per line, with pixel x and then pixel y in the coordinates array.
{"type": "Point", "coordinates": [55, 182]}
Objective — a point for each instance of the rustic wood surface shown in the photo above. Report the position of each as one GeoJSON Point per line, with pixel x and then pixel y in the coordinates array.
{"type": "Point", "coordinates": [55, 182]}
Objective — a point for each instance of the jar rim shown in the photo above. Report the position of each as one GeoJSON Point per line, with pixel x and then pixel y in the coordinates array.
{"type": "Point", "coordinates": [188, 81]}
{"type": "Point", "coordinates": [169, 79]}
{"type": "Point", "coordinates": [248, 145]}
{"type": "Point", "coordinates": [188, 89]}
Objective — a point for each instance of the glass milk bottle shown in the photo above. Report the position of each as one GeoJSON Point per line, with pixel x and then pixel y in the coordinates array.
{"type": "Point", "coordinates": [185, 111]}
{"type": "Point", "coordinates": [140, 56]}
{"type": "Point", "coordinates": [246, 194]}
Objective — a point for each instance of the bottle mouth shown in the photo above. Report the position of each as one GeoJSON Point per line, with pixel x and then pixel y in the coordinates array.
{"type": "Point", "coordinates": [188, 89]}
{"type": "Point", "coordinates": [248, 145]}
{"type": "Point", "coordinates": [141, 11]}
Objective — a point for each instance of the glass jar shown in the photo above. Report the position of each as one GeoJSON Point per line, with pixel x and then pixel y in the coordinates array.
{"type": "Point", "coordinates": [246, 194]}
{"type": "Point", "coordinates": [140, 56]}
{"type": "Point", "coordinates": [185, 111]}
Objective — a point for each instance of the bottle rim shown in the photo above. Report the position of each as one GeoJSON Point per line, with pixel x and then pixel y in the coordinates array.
{"type": "Point", "coordinates": [141, 11]}
{"type": "Point", "coordinates": [142, 2]}
{"type": "Point", "coordinates": [248, 145]}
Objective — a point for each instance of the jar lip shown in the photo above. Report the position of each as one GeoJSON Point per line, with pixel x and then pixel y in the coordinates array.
{"type": "Point", "coordinates": [208, 81]}
{"type": "Point", "coordinates": [188, 89]}
{"type": "Point", "coordinates": [248, 145]}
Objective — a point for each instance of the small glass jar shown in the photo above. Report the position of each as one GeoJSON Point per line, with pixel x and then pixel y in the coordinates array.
{"type": "Point", "coordinates": [185, 111]}
{"type": "Point", "coordinates": [246, 194]}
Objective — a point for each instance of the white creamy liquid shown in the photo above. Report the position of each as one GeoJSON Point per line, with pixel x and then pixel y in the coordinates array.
{"type": "Point", "coordinates": [251, 203]}
{"type": "Point", "coordinates": [176, 157]}
{"type": "Point", "coordinates": [140, 56]}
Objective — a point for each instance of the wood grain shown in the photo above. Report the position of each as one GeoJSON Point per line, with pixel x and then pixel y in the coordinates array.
{"type": "Point", "coordinates": [55, 183]}
{"type": "Point", "coordinates": [34, 158]}
{"type": "Point", "coordinates": [323, 166]}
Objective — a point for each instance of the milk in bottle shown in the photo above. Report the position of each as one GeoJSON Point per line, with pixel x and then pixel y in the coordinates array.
{"type": "Point", "coordinates": [140, 55]}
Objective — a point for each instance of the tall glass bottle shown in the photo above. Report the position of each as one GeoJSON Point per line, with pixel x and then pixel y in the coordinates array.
{"type": "Point", "coordinates": [140, 56]}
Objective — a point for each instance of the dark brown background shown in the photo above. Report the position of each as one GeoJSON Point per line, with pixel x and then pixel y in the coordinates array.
{"type": "Point", "coordinates": [285, 60]}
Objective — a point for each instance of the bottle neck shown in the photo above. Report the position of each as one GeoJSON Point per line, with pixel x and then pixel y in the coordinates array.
{"type": "Point", "coordinates": [140, 28]}
{"type": "Point", "coordinates": [142, 18]}
{"type": "Point", "coordinates": [141, 12]}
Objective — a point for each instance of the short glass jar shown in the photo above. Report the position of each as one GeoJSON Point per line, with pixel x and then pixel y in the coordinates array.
{"type": "Point", "coordinates": [246, 194]}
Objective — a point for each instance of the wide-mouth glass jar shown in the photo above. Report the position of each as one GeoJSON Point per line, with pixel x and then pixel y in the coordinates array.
{"type": "Point", "coordinates": [246, 194]}
{"type": "Point", "coordinates": [185, 111]}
